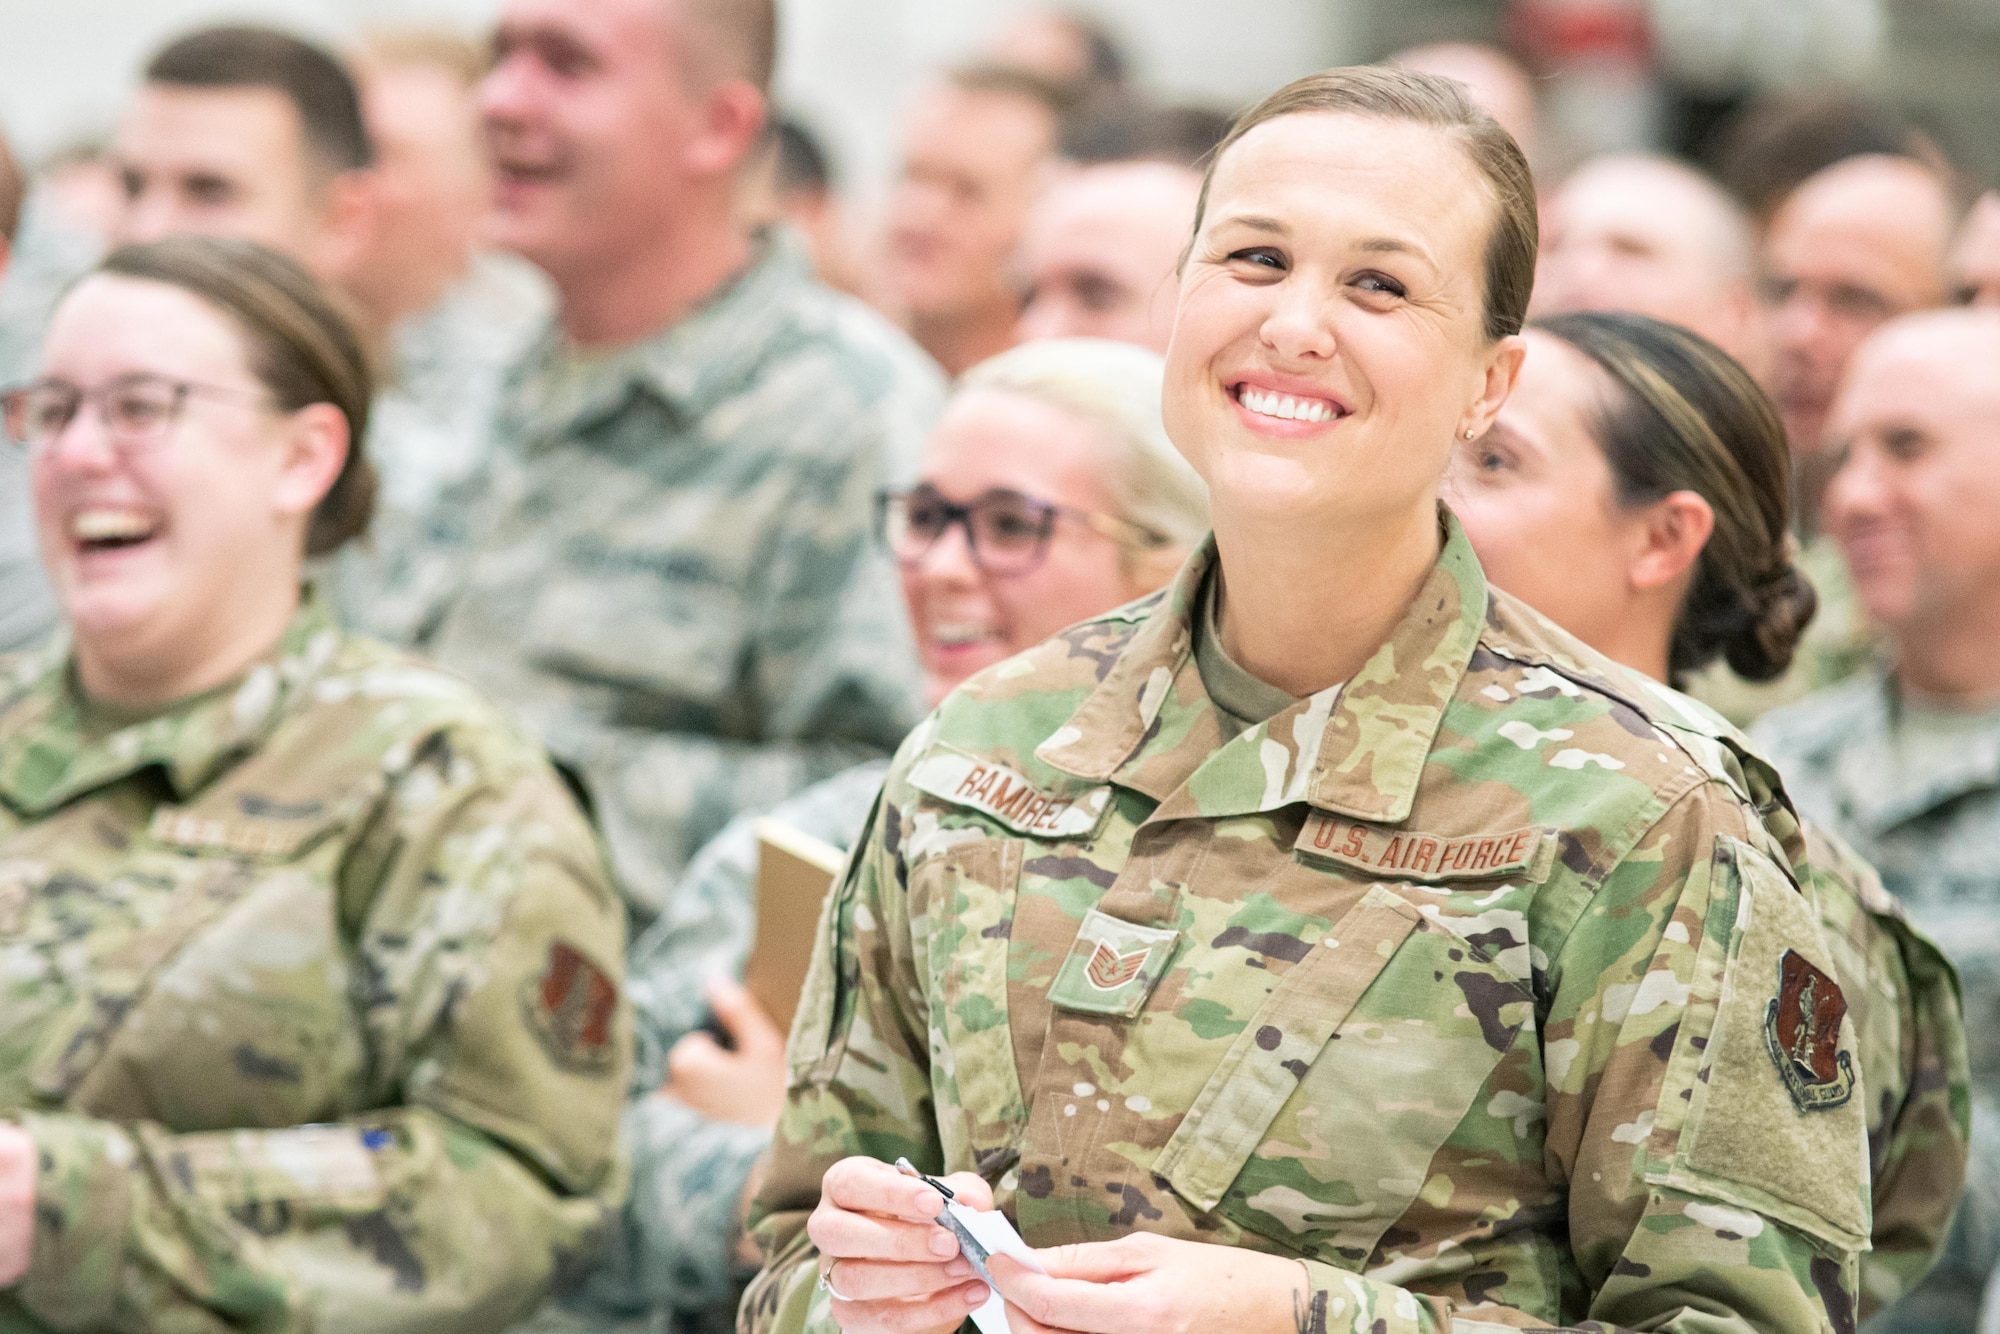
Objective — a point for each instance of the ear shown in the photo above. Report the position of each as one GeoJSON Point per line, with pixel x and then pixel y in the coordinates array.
{"type": "Point", "coordinates": [316, 444]}
{"type": "Point", "coordinates": [1503, 368]}
{"type": "Point", "coordinates": [732, 120]}
{"type": "Point", "coordinates": [1674, 531]}
{"type": "Point", "coordinates": [348, 223]}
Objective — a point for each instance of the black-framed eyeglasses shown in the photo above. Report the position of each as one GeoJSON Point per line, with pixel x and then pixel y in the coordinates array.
{"type": "Point", "coordinates": [1006, 531]}
{"type": "Point", "coordinates": [139, 409]}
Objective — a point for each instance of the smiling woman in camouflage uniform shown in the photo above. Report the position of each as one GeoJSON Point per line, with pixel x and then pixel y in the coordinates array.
{"type": "Point", "coordinates": [310, 1007]}
{"type": "Point", "coordinates": [1330, 943]}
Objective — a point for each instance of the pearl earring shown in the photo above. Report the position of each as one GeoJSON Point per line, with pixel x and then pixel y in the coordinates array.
{"type": "Point", "coordinates": [1468, 433]}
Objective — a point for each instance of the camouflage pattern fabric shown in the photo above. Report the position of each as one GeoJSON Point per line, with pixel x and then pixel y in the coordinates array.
{"type": "Point", "coordinates": [1466, 983]}
{"type": "Point", "coordinates": [1903, 998]}
{"type": "Point", "coordinates": [675, 1247]}
{"type": "Point", "coordinates": [310, 997]}
{"type": "Point", "coordinates": [674, 580]}
{"type": "Point", "coordinates": [1917, 792]}
{"type": "Point", "coordinates": [430, 431]}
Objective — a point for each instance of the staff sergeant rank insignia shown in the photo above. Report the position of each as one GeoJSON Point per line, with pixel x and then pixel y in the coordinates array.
{"type": "Point", "coordinates": [1802, 1030]}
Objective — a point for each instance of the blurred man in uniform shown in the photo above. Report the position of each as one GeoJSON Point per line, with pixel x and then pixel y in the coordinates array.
{"type": "Point", "coordinates": [1975, 256]}
{"type": "Point", "coordinates": [1856, 245]}
{"type": "Point", "coordinates": [1646, 234]}
{"type": "Point", "coordinates": [1904, 761]}
{"type": "Point", "coordinates": [27, 608]}
{"type": "Point", "coordinates": [1100, 249]}
{"type": "Point", "coordinates": [254, 133]}
{"type": "Point", "coordinates": [669, 572]}
{"type": "Point", "coordinates": [976, 149]}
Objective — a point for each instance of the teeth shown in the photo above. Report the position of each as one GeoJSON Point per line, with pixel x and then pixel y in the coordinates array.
{"type": "Point", "coordinates": [110, 525]}
{"type": "Point", "coordinates": [1285, 406]}
{"type": "Point", "coordinates": [952, 636]}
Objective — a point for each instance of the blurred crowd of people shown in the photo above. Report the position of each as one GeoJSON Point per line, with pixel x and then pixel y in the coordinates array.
{"type": "Point", "coordinates": [454, 491]}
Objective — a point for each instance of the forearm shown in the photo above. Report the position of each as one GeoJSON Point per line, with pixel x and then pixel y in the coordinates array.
{"type": "Point", "coordinates": [402, 1220]}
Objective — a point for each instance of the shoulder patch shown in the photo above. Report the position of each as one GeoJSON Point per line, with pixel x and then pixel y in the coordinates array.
{"type": "Point", "coordinates": [1008, 796]}
{"type": "Point", "coordinates": [1802, 1030]}
{"type": "Point", "coordinates": [1413, 855]}
{"type": "Point", "coordinates": [570, 1007]}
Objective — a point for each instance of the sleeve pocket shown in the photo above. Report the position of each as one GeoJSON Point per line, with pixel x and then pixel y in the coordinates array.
{"type": "Point", "coordinates": [1766, 1130]}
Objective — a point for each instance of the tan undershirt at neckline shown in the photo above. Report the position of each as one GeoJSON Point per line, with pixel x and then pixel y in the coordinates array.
{"type": "Point", "coordinates": [1243, 700]}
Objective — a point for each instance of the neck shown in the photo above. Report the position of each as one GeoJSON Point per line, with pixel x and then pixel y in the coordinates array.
{"type": "Point", "coordinates": [1641, 635]}
{"type": "Point", "coordinates": [129, 671]}
{"type": "Point", "coordinates": [1950, 660]}
{"type": "Point", "coordinates": [1307, 604]}
{"type": "Point", "coordinates": [961, 340]}
{"type": "Point", "coordinates": [389, 299]}
{"type": "Point", "coordinates": [686, 260]}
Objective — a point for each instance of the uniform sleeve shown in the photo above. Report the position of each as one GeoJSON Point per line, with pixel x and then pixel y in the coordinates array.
{"type": "Point", "coordinates": [1702, 1195]}
{"type": "Point", "coordinates": [860, 1075]}
{"type": "Point", "coordinates": [1911, 1047]}
{"type": "Point", "coordinates": [488, 978]}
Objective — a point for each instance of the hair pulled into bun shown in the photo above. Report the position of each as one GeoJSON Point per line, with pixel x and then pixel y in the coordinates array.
{"type": "Point", "coordinates": [1684, 416]}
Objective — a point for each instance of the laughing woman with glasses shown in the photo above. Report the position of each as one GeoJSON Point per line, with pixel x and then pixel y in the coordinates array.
{"type": "Point", "coordinates": [1048, 493]}
{"type": "Point", "coordinates": [310, 1000]}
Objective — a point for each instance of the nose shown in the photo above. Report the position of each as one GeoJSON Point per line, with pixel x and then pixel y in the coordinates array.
{"type": "Point", "coordinates": [949, 560]}
{"type": "Point", "coordinates": [82, 445]}
{"type": "Point", "coordinates": [1299, 326]}
{"type": "Point", "coordinates": [505, 94]}
{"type": "Point", "coordinates": [1858, 489]}
{"type": "Point", "coordinates": [147, 215]}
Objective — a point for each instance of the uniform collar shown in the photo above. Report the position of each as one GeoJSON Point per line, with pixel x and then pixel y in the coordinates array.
{"type": "Point", "coordinates": [1357, 749]}
{"type": "Point", "coordinates": [1898, 761]}
{"type": "Point", "coordinates": [57, 744]}
{"type": "Point", "coordinates": [688, 367]}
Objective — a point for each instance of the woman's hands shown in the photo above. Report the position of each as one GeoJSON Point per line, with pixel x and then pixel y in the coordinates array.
{"type": "Point", "coordinates": [746, 1085]}
{"type": "Point", "coordinates": [892, 1268]}
{"type": "Point", "coordinates": [17, 1202]}
{"type": "Point", "coordinates": [1157, 1284]}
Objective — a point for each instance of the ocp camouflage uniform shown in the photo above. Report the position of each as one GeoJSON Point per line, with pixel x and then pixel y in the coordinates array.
{"type": "Point", "coordinates": [671, 575]}
{"type": "Point", "coordinates": [1903, 999]}
{"type": "Point", "coordinates": [1466, 983]}
{"type": "Point", "coordinates": [310, 999]}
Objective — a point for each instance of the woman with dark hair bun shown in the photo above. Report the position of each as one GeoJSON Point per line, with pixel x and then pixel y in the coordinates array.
{"type": "Point", "coordinates": [1636, 490]}
{"type": "Point", "coordinates": [311, 1012]}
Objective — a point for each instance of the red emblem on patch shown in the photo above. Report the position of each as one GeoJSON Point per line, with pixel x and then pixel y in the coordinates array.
{"type": "Point", "coordinates": [571, 1007]}
{"type": "Point", "coordinates": [1802, 1030]}
{"type": "Point", "coordinates": [1109, 970]}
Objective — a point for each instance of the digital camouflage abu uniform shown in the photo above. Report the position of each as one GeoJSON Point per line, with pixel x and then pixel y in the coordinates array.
{"type": "Point", "coordinates": [1465, 983]}
{"type": "Point", "coordinates": [672, 576]}
{"type": "Point", "coordinates": [1916, 790]}
{"type": "Point", "coordinates": [309, 997]}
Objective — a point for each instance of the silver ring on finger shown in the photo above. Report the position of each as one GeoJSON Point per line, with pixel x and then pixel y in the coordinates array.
{"type": "Point", "coordinates": [826, 1283]}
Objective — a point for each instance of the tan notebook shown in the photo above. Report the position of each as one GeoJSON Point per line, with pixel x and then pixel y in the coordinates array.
{"type": "Point", "coordinates": [794, 873]}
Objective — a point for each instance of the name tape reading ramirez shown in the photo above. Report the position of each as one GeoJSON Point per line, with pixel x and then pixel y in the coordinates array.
{"type": "Point", "coordinates": [1008, 796]}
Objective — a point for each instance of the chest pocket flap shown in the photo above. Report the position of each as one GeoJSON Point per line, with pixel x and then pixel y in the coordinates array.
{"type": "Point", "coordinates": [1391, 1022]}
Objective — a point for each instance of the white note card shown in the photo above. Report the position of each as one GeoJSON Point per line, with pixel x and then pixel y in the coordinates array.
{"type": "Point", "coordinates": [990, 1228]}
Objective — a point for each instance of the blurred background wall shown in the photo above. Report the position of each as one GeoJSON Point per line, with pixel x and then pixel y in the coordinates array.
{"type": "Point", "coordinates": [1615, 72]}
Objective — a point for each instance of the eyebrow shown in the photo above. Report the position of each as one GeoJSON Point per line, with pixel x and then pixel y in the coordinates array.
{"type": "Point", "coordinates": [1378, 245]}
